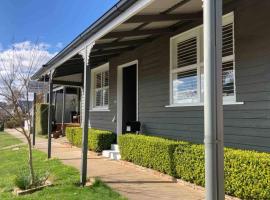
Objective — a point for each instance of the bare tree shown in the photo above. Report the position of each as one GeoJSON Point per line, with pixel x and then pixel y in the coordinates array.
{"type": "Point", "coordinates": [17, 65]}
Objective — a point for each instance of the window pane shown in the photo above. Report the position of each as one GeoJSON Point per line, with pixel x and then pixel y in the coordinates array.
{"type": "Point", "coordinates": [106, 97]}
{"type": "Point", "coordinates": [228, 78]}
{"type": "Point", "coordinates": [185, 87]}
{"type": "Point", "coordinates": [99, 98]}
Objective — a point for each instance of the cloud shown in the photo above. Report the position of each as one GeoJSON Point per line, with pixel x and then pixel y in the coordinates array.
{"type": "Point", "coordinates": [1, 47]}
{"type": "Point", "coordinates": [59, 45]}
{"type": "Point", "coordinates": [24, 58]}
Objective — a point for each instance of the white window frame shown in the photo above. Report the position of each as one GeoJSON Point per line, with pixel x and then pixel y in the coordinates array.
{"type": "Point", "coordinates": [195, 32]}
{"type": "Point", "coordinates": [99, 69]}
{"type": "Point", "coordinates": [198, 32]}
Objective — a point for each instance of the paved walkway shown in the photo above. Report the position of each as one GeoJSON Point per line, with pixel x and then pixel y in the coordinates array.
{"type": "Point", "coordinates": [133, 183]}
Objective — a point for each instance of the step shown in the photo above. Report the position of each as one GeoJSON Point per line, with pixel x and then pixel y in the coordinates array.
{"type": "Point", "coordinates": [115, 147]}
{"type": "Point", "coordinates": [111, 154]}
{"type": "Point", "coordinates": [106, 153]}
{"type": "Point", "coordinates": [115, 156]}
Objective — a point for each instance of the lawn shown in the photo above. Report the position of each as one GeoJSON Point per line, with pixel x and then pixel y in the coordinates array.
{"type": "Point", "coordinates": [7, 140]}
{"type": "Point", "coordinates": [65, 178]}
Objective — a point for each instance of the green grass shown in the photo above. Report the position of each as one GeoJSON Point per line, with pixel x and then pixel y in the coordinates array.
{"type": "Point", "coordinates": [7, 140]}
{"type": "Point", "coordinates": [65, 178]}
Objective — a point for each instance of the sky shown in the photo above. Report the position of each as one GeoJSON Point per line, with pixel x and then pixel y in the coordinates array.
{"type": "Point", "coordinates": [34, 31]}
{"type": "Point", "coordinates": [52, 22]}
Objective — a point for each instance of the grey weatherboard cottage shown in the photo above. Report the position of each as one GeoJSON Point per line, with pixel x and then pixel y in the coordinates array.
{"type": "Point", "coordinates": [147, 64]}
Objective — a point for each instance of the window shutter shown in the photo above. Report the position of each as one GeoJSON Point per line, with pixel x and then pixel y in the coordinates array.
{"type": "Point", "coordinates": [187, 52]}
{"type": "Point", "coordinates": [227, 40]}
{"type": "Point", "coordinates": [106, 90]}
{"type": "Point", "coordinates": [98, 80]}
{"type": "Point", "coordinates": [106, 79]}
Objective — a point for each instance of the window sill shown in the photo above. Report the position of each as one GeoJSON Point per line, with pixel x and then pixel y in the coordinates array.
{"type": "Point", "coordinates": [100, 110]}
{"type": "Point", "coordinates": [201, 104]}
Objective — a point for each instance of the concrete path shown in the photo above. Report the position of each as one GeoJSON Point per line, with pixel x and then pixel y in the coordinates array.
{"type": "Point", "coordinates": [133, 183]}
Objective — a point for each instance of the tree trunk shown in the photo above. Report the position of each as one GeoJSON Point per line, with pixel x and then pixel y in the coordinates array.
{"type": "Point", "coordinates": [30, 161]}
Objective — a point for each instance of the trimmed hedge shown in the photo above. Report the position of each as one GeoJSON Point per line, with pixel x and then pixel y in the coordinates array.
{"type": "Point", "coordinates": [247, 173]}
{"type": "Point", "coordinates": [147, 151]}
{"type": "Point", "coordinates": [42, 118]}
{"type": "Point", "coordinates": [98, 140]}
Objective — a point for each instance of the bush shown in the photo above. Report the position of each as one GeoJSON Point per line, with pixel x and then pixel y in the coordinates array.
{"type": "Point", "coordinates": [247, 173]}
{"type": "Point", "coordinates": [42, 118]}
{"type": "Point", "coordinates": [13, 123]}
{"type": "Point", "coordinates": [153, 152]}
{"type": "Point", "coordinates": [74, 135]}
{"type": "Point", "coordinates": [23, 179]}
{"type": "Point", "coordinates": [189, 162]}
{"type": "Point", "coordinates": [98, 140]}
{"type": "Point", "coordinates": [1, 126]}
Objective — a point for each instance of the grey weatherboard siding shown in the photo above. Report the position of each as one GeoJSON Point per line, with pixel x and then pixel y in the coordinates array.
{"type": "Point", "coordinates": [246, 126]}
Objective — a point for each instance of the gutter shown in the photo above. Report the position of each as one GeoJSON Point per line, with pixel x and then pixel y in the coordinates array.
{"type": "Point", "coordinates": [115, 11]}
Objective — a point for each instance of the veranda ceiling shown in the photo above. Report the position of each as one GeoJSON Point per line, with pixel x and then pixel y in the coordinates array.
{"type": "Point", "coordinates": [160, 17]}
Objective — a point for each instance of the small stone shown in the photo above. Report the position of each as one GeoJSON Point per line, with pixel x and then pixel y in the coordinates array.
{"type": "Point", "coordinates": [90, 182]}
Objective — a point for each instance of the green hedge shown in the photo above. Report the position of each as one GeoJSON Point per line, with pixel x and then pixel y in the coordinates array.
{"type": "Point", "coordinates": [247, 173]}
{"type": "Point", "coordinates": [98, 140]}
{"type": "Point", "coordinates": [42, 118]}
{"type": "Point", "coordinates": [147, 151]}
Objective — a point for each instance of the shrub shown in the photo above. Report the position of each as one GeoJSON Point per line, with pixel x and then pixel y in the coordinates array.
{"type": "Point", "coordinates": [13, 123]}
{"type": "Point", "coordinates": [98, 140]}
{"type": "Point", "coordinates": [1, 126]}
{"type": "Point", "coordinates": [42, 118]}
{"type": "Point", "coordinates": [148, 151]}
{"type": "Point", "coordinates": [23, 179]}
{"type": "Point", "coordinates": [247, 173]}
{"type": "Point", "coordinates": [189, 162]}
{"type": "Point", "coordinates": [74, 135]}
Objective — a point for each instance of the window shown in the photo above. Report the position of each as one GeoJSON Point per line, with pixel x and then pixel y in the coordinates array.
{"type": "Point", "coordinates": [100, 87]}
{"type": "Point", "coordinates": [186, 72]}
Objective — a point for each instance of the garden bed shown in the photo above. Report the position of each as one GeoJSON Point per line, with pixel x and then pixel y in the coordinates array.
{"type": "Point", "coordinates": [247, 173]}
{"type": "Point", "coordinates": [17, 191]}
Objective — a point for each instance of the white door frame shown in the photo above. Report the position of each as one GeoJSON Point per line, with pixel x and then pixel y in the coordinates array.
{"type": "Point", "coordinates": [120, 94]}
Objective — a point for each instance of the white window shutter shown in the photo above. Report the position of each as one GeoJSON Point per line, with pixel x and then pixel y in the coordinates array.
{"type": "Point", "coordinates": [187, 52]}
{"type": "Point", "coordinates": [98, 80]}
{"type": "Point", "coordinates": [227, 40]}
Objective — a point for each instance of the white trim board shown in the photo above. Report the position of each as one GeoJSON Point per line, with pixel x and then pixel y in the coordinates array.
{"type": "Point", "coordinates": [120, 94]}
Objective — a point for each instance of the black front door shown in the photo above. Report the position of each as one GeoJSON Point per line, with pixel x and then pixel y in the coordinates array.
{"type": "Point", "coordinates": [129, 95]}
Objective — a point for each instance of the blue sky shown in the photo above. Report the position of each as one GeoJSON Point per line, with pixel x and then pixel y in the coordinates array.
{"type": "Point", "coordinates": [54, 22]}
